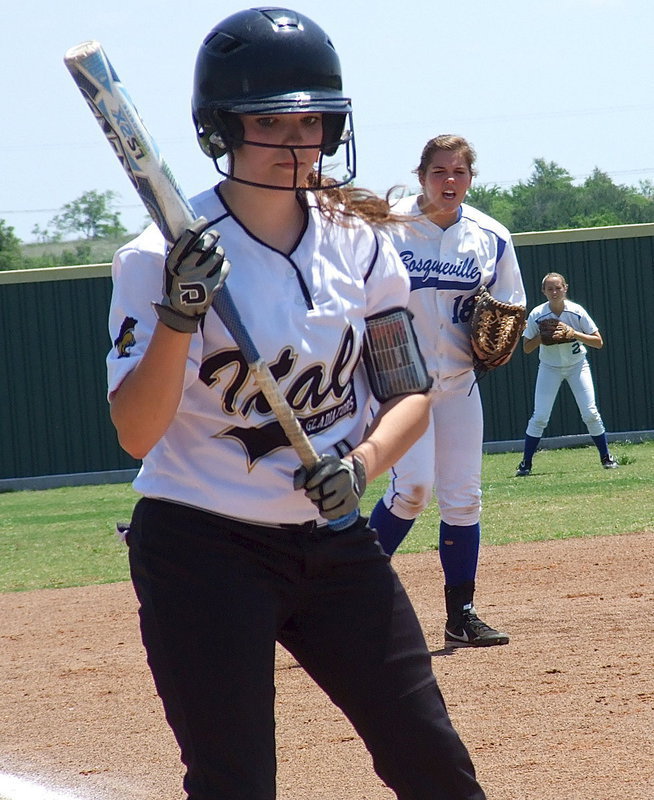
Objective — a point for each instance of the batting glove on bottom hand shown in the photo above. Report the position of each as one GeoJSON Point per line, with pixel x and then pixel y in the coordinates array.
{"type": "Point", "coordinates": [333, 484]}
{"type": "Point", "coordinates": [196, 268]}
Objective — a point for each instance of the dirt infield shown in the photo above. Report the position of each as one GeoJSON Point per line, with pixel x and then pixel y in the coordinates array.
{"type": "Point", "coordinates": [564, 712]}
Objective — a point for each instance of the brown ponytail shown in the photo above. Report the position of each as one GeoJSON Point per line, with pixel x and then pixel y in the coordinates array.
{"type": "Point", "coordinates": [345, 204]}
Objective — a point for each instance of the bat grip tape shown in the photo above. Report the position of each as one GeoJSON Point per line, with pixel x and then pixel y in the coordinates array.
{"type": "Point", "coordinates": [224, 306]}
{"type": "Point", "coordinates": [228, 313]}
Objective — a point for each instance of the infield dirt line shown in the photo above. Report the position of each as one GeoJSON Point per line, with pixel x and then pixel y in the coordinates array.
{"type": "Point", "coordinates": [14, 788]}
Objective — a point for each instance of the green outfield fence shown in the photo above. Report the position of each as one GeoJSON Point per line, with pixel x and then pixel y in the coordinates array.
{"type": "Point", "coordinates": [54, 423]}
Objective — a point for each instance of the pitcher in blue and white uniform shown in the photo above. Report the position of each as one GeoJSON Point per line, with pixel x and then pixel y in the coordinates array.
{"type": "Point", "coordinates": [449, 252]}
{"type": "Point", "coordinates": [562, 362]}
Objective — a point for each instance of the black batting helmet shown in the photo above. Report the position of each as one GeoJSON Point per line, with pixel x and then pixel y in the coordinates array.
{"type": "Point", "coordinates": [268, 61]}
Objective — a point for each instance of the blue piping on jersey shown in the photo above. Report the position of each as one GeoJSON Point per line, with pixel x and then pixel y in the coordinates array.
{"type": "Point", "coordinates": [501, 243]}
{"type": "Point", "coordinates": [552, 314]}
{"type": "Point", "coordinates": [306, 294]}
{"type": "Point", "coordinates": [493, 279]}
{"type": "Point", "coordinates": [438, 283]}
{"type": "Point", "coordinates": [373, 260]}
{"type": "Point", "coordinates": [393, 477]}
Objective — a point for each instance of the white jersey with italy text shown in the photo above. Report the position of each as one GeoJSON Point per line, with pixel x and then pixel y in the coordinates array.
{"type": "Point", "coordinates": [305, 312]}
{"type": "Point", "coordinates": [446, 268]}
{"type": "Point", "coordinates": [567, 353]}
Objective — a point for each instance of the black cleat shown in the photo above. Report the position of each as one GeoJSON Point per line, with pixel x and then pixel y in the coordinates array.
{"type": "Point", "coordinates": [523, 470]}
{"type": "Point", "coordinates": [472, 632]}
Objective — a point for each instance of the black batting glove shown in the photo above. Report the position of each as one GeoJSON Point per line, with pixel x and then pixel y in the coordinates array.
{"type": "Point", "coordinates": [333, 484]}
{"type": "Point", "coordinates": [196, 268]}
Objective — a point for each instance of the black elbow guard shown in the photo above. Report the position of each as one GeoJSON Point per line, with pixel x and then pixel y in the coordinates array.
{"type": "Point", "coordinates": [392, 356]}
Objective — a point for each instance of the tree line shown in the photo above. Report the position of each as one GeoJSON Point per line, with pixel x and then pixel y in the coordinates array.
{"type": "Point", "coordinates": [91, 217]}
{"type": "Point", "coordinates": [547, 200]}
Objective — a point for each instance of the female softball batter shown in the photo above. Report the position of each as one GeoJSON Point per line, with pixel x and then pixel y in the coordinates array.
{"type": "Point", "coordinates": [229, 547]}
{"type": "Point", "coordinates": [562, 362]}
{"type": "Point", "coordinates": [449, 251]}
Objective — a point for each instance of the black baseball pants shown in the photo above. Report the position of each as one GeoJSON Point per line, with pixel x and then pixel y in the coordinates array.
{"type": "Point", "coordinates": [216, 594]}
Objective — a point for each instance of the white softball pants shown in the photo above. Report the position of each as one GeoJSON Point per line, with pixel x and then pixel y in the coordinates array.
{"type": "Point", "coordinates": [446, 460]}
{"type": "Point", "coordinates": [548, 383]}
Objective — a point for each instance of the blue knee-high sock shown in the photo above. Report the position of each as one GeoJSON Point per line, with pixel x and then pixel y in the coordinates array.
{"type": "Point", "coordinates": [601, 444]}
{"type": "Point", "coordinates": [458, 549]}
{"type": "Point", "coordinates": [531, 443]}
{"type": "Point", "coordinates": [391, 530]}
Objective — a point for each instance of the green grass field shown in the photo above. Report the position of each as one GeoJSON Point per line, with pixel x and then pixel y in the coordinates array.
{"type": "Point", "coordinates": [65, 537]}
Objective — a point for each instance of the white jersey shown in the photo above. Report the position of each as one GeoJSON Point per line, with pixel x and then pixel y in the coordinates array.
{"type": "Point", "coordinates": [566, 353]}
{"type": "Point", "coordinates": [224, 451]}
{"type": "Point", "coordinates": [446, 268]}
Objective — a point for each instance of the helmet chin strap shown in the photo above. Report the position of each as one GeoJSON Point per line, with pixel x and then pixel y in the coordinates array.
{"type": "Point", "coordinates": [232, 177]}
{"type": "Point", "coordinates": [217, 140]}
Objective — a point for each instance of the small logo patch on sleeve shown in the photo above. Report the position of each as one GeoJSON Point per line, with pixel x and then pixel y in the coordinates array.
{"type": "Point", "coordinates": [125, 339]}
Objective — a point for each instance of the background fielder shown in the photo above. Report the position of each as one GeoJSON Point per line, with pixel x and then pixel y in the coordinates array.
{"type": "Point", "coordinates": [449, 251]}
{"type": "Point", "coordinates": [562, 362]}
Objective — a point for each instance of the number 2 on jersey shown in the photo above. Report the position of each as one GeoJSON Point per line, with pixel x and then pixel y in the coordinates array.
{"type": "Point", "coordinates": [462, 311]}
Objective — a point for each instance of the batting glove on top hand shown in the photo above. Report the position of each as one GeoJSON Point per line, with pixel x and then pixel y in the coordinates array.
{"type": "Point", "coordinates": [196, 268]}
{"type": "Point", "coordinates": [334, 485]}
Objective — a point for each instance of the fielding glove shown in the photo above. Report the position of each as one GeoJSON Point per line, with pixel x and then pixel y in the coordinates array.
{"type": "Point", "coordinates": [553, 331]}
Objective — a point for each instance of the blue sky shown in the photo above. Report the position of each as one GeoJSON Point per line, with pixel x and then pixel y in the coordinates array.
{"type": "Point", "coordinates": [565, 80]}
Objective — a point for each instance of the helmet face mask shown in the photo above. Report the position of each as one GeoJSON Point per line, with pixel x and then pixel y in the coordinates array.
{"type": "Point", "coordinates": [227, 138]}
{"type": "Point", "coordinates": [271, 61]}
